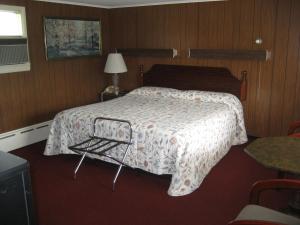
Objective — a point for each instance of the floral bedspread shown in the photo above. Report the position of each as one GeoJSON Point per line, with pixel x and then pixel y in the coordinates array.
{"type": "Point", "coordinates": [182, 133]}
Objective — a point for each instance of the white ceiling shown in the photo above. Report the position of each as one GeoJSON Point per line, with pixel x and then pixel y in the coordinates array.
{"type": "Point", "coordinates": [122, 3]}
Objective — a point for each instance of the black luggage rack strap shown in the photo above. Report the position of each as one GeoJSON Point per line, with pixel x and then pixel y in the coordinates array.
{"type": "Point", "coordinates": [101, 146]}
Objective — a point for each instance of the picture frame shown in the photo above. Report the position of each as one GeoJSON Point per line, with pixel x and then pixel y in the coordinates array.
{"type": "Point", "coordinates": [72, 37]}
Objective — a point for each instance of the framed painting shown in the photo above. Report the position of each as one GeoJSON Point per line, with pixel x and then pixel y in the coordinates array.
{"type": "Point", "coordinates": [65, 37]}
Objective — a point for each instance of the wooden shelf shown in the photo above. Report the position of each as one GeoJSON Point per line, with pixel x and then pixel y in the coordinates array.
{"type": "Point", "coordinates": [148, 52]}
{"type": "Point", "coordinates": [230, 54]}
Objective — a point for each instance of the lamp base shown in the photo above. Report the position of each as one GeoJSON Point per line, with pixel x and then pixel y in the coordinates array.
{"type": "Point", "coordinates": [116, 90]}
{"type": "Point", "coordinates": [115, 80]}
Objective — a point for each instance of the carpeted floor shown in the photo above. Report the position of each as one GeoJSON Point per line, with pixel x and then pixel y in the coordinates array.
{"type": "Point", "coordinates": [140, 198]}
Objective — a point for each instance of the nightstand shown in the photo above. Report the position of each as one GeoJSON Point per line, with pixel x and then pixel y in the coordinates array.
{"type": "Point", "coordinates": [105, 96]}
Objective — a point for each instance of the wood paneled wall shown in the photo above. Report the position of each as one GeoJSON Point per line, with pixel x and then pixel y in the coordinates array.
{"type": "Point", "coordinates": [274, 86]}
{"type": "Point", "coordinates": [30, 97]}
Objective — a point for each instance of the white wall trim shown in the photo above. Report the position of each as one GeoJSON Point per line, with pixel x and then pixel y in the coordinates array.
{"type": "Point", "coordinates": [127, 6]}
{"type": "Point", "coordinates": [24, 136]}
{"type": "Point", "coordinates": [164, 3]}
{"type": "Point", "coordinates": [74, 3]}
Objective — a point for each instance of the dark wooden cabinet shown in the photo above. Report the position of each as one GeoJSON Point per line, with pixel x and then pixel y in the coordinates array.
{"type": "Point", "coordinates": [16, 207]}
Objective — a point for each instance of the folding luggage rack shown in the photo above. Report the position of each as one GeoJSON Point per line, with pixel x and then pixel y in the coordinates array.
{"type": "Point", "coordinates": [100, 146]}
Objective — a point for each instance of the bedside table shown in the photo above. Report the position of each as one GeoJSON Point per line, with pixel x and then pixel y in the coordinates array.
{"type": "Point", "coordinates": [105, 96]}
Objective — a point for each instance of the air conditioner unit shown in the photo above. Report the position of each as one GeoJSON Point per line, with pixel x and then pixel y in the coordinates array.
{"type": "Point", "coordinates": [14, 54]}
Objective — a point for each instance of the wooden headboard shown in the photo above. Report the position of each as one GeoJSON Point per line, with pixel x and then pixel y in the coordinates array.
{"type": "Point", "coordinates": [195, 78]}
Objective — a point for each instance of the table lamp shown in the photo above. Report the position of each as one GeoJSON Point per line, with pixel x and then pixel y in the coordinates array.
{"type": "Point", "coordinates": [115, 64]}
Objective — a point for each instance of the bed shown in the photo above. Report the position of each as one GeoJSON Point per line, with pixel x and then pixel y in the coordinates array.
{"type": "Point", "coordinates": [184, 120]}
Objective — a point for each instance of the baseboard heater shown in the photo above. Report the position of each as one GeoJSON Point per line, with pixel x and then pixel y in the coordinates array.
{"type": "Point", "coordinates": [24, 136]}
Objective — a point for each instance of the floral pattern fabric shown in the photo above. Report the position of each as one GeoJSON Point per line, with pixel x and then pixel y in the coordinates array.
{"type": "Point", "coordinates": [182, 133]}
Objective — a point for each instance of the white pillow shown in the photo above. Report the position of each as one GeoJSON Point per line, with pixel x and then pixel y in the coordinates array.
{"type": "Point", "coordinates": [160, 91]}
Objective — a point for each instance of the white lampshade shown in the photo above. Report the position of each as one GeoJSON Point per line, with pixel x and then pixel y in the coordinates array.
{"type": "Point", "coordinates": [115, 64]}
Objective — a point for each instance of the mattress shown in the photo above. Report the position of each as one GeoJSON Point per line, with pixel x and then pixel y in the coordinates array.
{"type": "Point", "coordinates": [181, 133]}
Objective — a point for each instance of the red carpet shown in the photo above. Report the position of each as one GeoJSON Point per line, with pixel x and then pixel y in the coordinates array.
{"type": "Point", "coordinates": [140, 198]}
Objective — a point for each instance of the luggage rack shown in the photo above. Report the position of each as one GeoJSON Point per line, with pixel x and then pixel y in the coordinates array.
{"type": "Point", "coordinates": [100, 146]}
